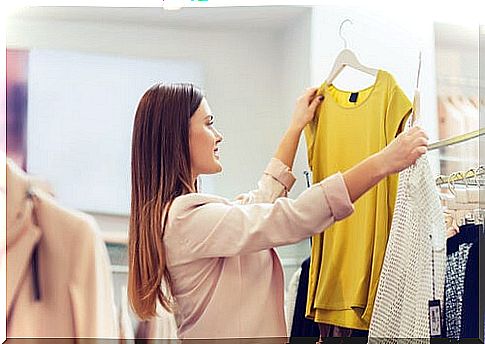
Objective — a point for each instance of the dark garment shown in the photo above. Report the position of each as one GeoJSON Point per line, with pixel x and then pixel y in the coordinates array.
{"type": "Point", "coordinates": [143, 330]}
{"type": "Point", "coordinates": [458, 251]}
{"type": "Point", "coordinates": [469, 317]}
{"type": "Point", "coordinates": [468, 234]}
{"type": "Point", "coordinates": [301, 326]}
{"type": "Point", "coordinates": [455, 288]}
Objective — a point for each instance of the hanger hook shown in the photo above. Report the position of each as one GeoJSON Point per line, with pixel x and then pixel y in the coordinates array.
{"type": "Point", "coordinates": [440, 180]}
{"type": "Point", "coordinates": [451, 182]}
{"type": "Point", "coordinates": [472, 174]}
{"type": "Point", "coordinates": [479, 172]}
{"type": "Point", "coordinates": [340, 31]}
{"type": "Point", "coordinates": [477, 181]}
{"type": "Point", "coordinates": [419, 70]}
{"type": "Point", "coordinates": [465, 178]}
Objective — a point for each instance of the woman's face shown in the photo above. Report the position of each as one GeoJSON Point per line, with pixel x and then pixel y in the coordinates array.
{"type": "Point", "coordinates": [203, 141]}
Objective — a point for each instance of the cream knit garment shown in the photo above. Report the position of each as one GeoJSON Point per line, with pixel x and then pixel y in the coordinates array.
{"type": "Point", "coordinates": [406, 281]}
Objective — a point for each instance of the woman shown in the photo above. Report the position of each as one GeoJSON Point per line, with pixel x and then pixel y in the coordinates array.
{"type": "Point", "coordinates": [212, 261]}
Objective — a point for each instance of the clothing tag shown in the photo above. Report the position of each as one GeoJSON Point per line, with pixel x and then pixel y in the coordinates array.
{"type": "Point", "coordinates": [434, 312]}
{"type": "Point", "coordinates": [307, 177]}
{"type": "Point", "coordinates": [353, 97]}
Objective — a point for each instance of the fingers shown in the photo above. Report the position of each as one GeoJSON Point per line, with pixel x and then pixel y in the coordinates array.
{"type": "Point", "coordinates": [419, 146]}
{"type": "Point", "coordinates": [417, 141]}
{"type": "Point", "coordinates": [315, 102]}
{"type": "Point", "coordinates": [421, 150]}
{"type": "Point", "coordinates": [420, 141]}
{"type": "Point", "coordinates": [417, 131]}
{"type": "Point", "coordinates": [310, 94]}
{"type": "Point", "coordinates": [311, 91]}
{"type": "Point", "coordinates": [414, 143]}
{"type": "Point", "coordinates": [418, 152]}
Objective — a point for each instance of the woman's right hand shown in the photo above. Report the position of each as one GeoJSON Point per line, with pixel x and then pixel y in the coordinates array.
{"type": "Point", "coordinates": [305, 108]}
{"type": "Point", "coordinates": [404, 150]}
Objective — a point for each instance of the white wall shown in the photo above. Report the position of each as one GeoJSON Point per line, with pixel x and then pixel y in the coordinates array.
{"type": "Point", "coordinates": [295, 78]}
{"type": "Point", "coordinates": [252, 80]}
{"type": "Point", "coordinates": [242, 78]}
{"type": "Point", "coordinates": [296, 49]}
{"type": "Point", "coordinates": [81, 109]}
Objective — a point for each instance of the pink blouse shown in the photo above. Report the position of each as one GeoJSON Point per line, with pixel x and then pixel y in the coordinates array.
{"type": "Point", "coordinates": [227, 278]}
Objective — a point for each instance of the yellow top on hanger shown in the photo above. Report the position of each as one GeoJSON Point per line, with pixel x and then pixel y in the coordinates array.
{"type": "Point", "coordinates": [347, 258]}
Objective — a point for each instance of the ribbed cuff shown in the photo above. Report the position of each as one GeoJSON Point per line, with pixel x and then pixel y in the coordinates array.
{"type": "Point", "coordinates": [337, 196]}
{"type": "Point", "coordinates": [279, 171]}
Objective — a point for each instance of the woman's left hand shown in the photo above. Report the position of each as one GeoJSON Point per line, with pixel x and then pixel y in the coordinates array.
{"type": "Point", "coordinates": [305, 108]}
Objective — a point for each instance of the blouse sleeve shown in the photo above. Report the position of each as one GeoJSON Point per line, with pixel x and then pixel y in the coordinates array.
{"type": "Point", "coordinates": [398, 111]}
{"type": "Point", "coordinates": [275, 182]}
{"type": "Point", "coordinates": [205, 226]}
{"type": "Point", "coordinates": [311, 129]}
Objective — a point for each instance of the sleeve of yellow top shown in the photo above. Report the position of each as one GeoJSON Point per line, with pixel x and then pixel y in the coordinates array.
{"type": "Point", "coordinates": [398, 112]}
{"type": "Point", "coordinates": [310, 140]}
{"type": "Point", "coordinates": [310, 133]}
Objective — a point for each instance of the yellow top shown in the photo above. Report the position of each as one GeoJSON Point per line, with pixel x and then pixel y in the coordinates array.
{"type": "Point", "coordinates": [345, 267]}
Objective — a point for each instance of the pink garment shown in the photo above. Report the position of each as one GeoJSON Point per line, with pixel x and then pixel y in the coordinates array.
{"type": "Point", "coordinates": [75, 283]}
{"type": "Point", "coordinates": [227, 278]}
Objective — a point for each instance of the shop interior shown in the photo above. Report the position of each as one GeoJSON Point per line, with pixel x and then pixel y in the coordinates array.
{"type": "Point", "coordinates": [76, 74]}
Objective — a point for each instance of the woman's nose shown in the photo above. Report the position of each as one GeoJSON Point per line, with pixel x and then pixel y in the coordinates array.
{"type": "Point", "coordinates": [219, 136]}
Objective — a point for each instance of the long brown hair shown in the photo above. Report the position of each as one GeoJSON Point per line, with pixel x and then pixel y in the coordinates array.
{"type": "Point", "coordinates": [160, 171]}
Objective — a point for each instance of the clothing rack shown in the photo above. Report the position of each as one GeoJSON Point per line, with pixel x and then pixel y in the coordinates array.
{"type": "Point", "coordinates": [463, 177]}
{"type": "Point", "coordinates": [456, 139]}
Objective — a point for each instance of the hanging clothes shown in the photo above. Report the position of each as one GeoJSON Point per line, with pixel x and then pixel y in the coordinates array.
{"type": "Point", "coordinates": [461, 268]}
{"type": "Point", "coordinates": [68, 292]}
{"type": "Point", "coordinates": [458, 248]}
{"type": "Point", "coordinates": [143, 329]}
{"type": "Point", "coordinates": [346, 260]}
{"type": "Point", "coordinates": [301, 326]}
{"type": "Point", "coordinates": [290, 299]}
{"type": "Point", "coordinates": [413, 272]}
{"type": "Point", "coordinates": [471, 297]}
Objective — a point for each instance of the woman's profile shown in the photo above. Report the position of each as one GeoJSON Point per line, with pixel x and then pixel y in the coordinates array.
{"type": "Point", "coordinates": [211, 260]}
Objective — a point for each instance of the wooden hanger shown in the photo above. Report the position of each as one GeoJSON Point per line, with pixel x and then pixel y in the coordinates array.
{"type": "Point", "coordinates": [347, 58]}
{"type": "Point", "coordinates": [417, 97]}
